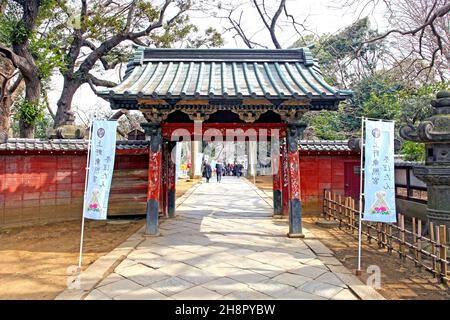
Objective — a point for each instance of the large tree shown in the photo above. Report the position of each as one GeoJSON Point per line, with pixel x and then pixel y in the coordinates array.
{"type": "Point", "coordinates": [96, 40]}
{"type": "Point", "coordinates": [18, 51]}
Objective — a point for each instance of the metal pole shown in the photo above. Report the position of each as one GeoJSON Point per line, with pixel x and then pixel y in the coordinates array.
{"type": "Point", "coordinates": [85, 191]}
{"type": "Point", "coordinates": [358, 271]}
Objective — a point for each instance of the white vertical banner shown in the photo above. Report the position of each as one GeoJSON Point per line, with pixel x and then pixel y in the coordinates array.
{"type": "Point", "coordinates": [377, 178]}
{"type": "Point", "coordinates": [198, 167]}
{"type": "Point", "coordinates": [101, 165]}
{"type": "Point", "coordinates": [178, 148]}
{"type": "Point", "coordinates": [379, 184]}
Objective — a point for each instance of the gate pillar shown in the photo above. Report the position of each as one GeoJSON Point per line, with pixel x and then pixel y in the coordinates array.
{"type": "Point", "coordinates": [153, 133]}
{"type": "Point", "coordinates": [294, 133]}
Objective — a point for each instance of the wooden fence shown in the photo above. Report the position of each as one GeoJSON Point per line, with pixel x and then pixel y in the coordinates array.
{"type": "Point", "coordinates": [429, 253]}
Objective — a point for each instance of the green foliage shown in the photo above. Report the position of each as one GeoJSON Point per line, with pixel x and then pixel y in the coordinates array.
{"type": "Point", "coordinates": [413, 151]}
{"type": "Point", "coordinates": [337, 52]}
{"type": "Point", "coordinates": [183, 31]}
{"type": "Point", "coordinates": [30, 113]}
{"type": "Point", "coordinates": [327, 124]}
{"type": "Point", "coordinates": [43, 44]}
{"type": "Point", "coordinates": [211, 39]}
{"type": "Point", "coordinates": [40, 128]}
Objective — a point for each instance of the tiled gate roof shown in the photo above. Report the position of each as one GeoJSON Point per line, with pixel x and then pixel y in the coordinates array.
{"type": "Point", "coordinates": [223, 73]}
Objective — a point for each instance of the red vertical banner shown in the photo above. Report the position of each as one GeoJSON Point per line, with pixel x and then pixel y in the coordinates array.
{"type": "Point", "coordinates": [164, 169]}
{"type": "Point", "coordinates": [171, 177]}
{"type": "Point", "coordinates": [154, 175]}
{"type": "Point", "coordinates": [294, 175]}
{"type": "Point", "coordinates": [153, 134]}
{"type": "Point", "coordinates": [277, 181]}
{"type": "Point", "coordinates": [295, 204]}
{"type": "Point", "coordinates": [284, 180]}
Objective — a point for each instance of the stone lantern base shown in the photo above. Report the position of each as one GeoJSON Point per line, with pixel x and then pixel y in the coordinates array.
{"type": "Point", "coordinates": [437, 179]}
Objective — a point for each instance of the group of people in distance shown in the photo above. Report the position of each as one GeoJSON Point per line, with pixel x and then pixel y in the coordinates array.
{"type": "Point", "coordinates": [227, 169]}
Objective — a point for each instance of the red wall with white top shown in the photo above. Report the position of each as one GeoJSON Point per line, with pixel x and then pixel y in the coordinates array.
{"type": "Point", "coordinates": [319, 172]}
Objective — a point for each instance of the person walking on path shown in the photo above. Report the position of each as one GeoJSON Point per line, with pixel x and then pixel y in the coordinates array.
{"type": "Point", "coordinates": [219, 171]}
{"type": "Point", "coordinates": [207, 171]}
{"type": "Point", "coordinates": [238, 168]}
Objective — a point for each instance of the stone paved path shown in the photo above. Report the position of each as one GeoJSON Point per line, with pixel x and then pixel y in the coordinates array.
{"type": "Point", "coordinates": [224, 245]}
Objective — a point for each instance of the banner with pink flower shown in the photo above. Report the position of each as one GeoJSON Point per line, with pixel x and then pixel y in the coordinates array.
{"type": "Point", "coordinates": [379, 184]}
{"type": "Point", "coordinates": [101, 164]}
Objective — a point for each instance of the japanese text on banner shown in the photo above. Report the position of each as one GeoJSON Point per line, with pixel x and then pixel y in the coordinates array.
{"type": "Point", "coordinates": [379, 184]}
{"type": "Point", "coordinates": [101, 165]}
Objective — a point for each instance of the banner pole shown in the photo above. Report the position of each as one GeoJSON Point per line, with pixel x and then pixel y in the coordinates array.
{"type": "Point", "coordinates": [358, 271]}
{"type": "Point", "coordinates": [84, 198]}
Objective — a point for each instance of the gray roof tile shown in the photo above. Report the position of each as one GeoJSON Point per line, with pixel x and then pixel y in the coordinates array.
{"type": "Point", "coordinates": [324, 145]}
{"type": "Point", "coordinates": [21, 144]}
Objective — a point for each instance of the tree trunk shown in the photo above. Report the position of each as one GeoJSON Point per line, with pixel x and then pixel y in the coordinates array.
{"type": "Point", "coordinates": [7, 68]}
{"type": "Point", "coordinates": [65, 101]}
{"type": "Point", "coordinates": [32, 94]}
{"type": "Point", "coordinates": [5, 113]}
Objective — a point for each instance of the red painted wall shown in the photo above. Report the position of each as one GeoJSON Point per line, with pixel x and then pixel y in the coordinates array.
{"type": "Point", "coordinates": [43, 188]}
{"type": "Point", "coordinates": [319, 172]}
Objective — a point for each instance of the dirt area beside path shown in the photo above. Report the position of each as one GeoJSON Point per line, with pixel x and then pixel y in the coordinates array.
{"type": "Point", "coordinates": [398, 280]}
{"type": "Point", "coordinates": [34, 260]}
{"type": "Point", "coordinates": [263, 182]}
{"type": "Point", "coordinates": [184, 185]}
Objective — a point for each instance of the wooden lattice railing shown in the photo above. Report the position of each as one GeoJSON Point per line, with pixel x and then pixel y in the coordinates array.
{"type": "Point", "coordinates": [408, 241]}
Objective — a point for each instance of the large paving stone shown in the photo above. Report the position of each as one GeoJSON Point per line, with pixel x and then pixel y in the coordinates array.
{"type": "Point", "coordinates": [225, 285]}
{"type": "Point", "coordinates": [291, 279]}
{"type": "Point", "coordinates": [248, 294]}
{"type": "Point", "coordinates": [297, 294]}
{"type": "Point", "coordinates": [247, 277]}
{"type": "Point", "coordinates": [307, 271]}
{"type": "Point", "coordinates": [171, 286]}
{"type": "Point", "coordinates": [197, 276]}
{"type": "Point", "coordinates": [97, 295]}
{"type": "Point", "coordinates": [345, 295]}
{"type": "Point", "coordinates": [197, 293]}
{"type": "Point", "coordinates": [331, 278]}
{"type": "Point", "coordinates": [142, 274]}
{"type": "Point", "coordinates": [322, 289]}
{"type": "Point", "coordinates": [271, 288]}
{"type": "Point", "coordinates": [119, 288]}
{"type": "Point", "coordinates": [141, 294]}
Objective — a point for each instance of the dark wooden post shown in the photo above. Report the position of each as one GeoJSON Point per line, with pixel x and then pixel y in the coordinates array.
{"type": "Point", "coordinates": [153, 133]}
{"type": "Point", "coordinates": [294, 133]}
{"type": "Point", "coordinates": [277, 181]}
{"type": "Point", "coordinates": [171, 177]}
{"type": "Point", "coordinates": [164, 179]}
{"type": "Point", "coordinates": [284, 180]}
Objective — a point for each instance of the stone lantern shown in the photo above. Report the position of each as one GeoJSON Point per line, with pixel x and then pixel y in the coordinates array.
{"type": "Point", "coordinates": [435, 133]}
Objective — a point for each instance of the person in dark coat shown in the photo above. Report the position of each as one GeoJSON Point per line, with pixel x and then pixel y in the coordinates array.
{"type": "Point", "coordinates": [219, 171]}
{"type": "Point", "coordinates": [207, 171]}
{"type": "Point", "coordinates": [239, 170]}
